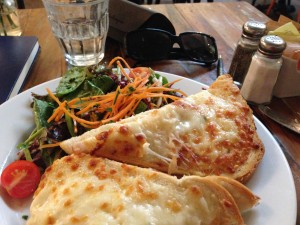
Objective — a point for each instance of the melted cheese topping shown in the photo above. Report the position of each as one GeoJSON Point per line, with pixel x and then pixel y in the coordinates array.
{"type": "Point", "coordinates": [86, 190]}
{"type": "Point", "coordinates": [203, 134]}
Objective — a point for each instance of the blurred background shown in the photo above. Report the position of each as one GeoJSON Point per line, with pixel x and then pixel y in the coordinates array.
{"type": "Point", "coordinates": [272, 8]}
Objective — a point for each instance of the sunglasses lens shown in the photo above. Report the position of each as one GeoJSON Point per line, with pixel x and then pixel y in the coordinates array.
{"type": "Point", "coordinates": [199, 47]}
{"type": "Point", "coordinates": [147, 45]}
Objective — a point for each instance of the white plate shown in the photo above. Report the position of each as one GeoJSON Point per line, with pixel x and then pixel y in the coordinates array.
{"type": "Point", "coordinates": [272, 182]}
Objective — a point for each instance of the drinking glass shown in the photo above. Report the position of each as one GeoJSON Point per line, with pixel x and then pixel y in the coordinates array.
{"type": "Point", "coordinates": [81, 27]}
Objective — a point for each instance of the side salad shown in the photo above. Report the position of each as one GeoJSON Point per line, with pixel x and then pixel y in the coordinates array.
{"type": "Point", "coordinates": [86, 98]}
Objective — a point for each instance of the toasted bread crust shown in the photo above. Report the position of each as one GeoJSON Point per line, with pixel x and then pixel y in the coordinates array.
{"type": "Point", "coordinates": [243, 196]}
{"type": "Point", "coordinates": [226, 89]}
{"type": "Point", "coordinates": [210, 133]}
{"type": "Point", "coordinates": [86, 189]}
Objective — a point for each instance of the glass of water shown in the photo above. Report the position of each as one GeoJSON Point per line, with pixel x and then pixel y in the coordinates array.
{"type": "Point", "coordinates": [80, 27]}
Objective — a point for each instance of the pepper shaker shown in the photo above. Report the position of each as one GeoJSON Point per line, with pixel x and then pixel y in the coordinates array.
{"type": "Point", "coordinates": [261, 77]}
{"type": "Point", "coordinates": [246, 47]}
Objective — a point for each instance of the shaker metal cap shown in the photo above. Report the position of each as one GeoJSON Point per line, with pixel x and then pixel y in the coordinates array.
{"type": "Point", "coordinates": [254, 29]}
{"type": "Point", "coordinates": [272, 46]}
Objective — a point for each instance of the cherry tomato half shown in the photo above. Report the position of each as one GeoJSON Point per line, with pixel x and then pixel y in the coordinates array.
{"type": "Point", "coordinates": [140, 71]}
{"type": "Point", "coordinates": [20, 178]}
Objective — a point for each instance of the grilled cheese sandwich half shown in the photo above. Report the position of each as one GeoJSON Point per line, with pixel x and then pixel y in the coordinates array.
{"type": "Point", "coordinates": [209, 133]}
{"type": "Point", "coordinates": [82, 189]}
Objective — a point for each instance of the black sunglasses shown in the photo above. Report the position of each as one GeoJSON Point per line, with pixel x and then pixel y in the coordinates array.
{"type": "Point", "coordinates": [154, 44]}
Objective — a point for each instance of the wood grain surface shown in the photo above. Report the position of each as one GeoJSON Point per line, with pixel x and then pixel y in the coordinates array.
{"type": "Point", "coordinates": [221, 20]}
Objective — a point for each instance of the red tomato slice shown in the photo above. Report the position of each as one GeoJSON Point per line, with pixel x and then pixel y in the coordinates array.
{"type": "Point", "coordinates": [20, 178]}
{"type": "Point", "coordinates": [140, 71]}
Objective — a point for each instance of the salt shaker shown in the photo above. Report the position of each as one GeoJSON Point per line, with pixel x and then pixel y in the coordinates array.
{"type": "Point", "coordinates": [246, 47]}
{"type": "Point", "coordinates": [263, 71]}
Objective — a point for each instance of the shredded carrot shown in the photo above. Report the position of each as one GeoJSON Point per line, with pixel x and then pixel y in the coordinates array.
{"type": "Point", "coordinates": [172, 82]}
{"type": "Point", "coordinates": [131, 112]}
{"type": "Point", "coordinates": [124, 61]}
{"type": "Point", "coordinates": [60, 114]}
{"type": "Point", "coordinates": [120, 115]}
{"type": "Point", "coordinates": [81, 121]}
{"type": "Point", "coordinates": [115, 105]}
{"type": "Point", "coordinates": [86, 108]}
{"type": "Point", "coordinates": [162, 89]}
{"type": "Point", "coordinates": [57, 112]}
{"type": "Point", "coordinates": [49, 145]}
{"type": "Point", "coordinates": [123, 71]}
{"type": "Point", "coordinates": [53, 96]}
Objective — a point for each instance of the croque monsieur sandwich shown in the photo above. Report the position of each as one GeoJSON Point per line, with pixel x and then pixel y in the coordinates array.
{"type": "Point", "coordinates": [209, 133]}
{"type": "Point", "coordinates": [82, 189]}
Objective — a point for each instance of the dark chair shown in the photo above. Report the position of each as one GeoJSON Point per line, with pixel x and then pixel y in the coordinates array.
{"type": "Point", "coordinates": [149, 2]}
{"type": "Point", "coordinates": [189, 1]}
{"type": "Point", "coordinates": [20, 4]}
{"type": "Point", "coordinates": [276, 8]}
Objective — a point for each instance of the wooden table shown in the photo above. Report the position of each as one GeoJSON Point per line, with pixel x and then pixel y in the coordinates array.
{"type": "Point", "coordinates": [221, 20]}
